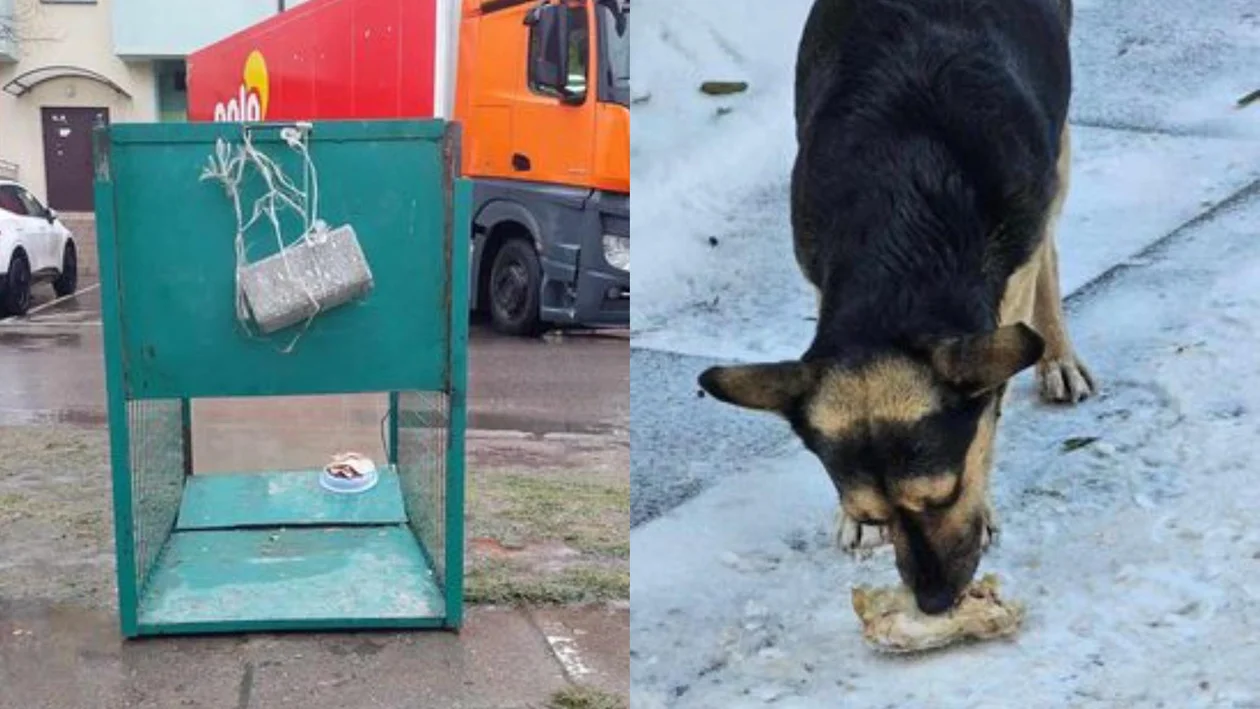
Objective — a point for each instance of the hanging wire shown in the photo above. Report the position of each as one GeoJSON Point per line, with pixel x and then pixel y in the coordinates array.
{"type": "Point", "coordinates": [227, 165]}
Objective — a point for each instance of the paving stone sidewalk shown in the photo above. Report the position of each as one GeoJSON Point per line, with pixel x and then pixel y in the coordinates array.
{"type": "Point", "coordinates": [67, 658]}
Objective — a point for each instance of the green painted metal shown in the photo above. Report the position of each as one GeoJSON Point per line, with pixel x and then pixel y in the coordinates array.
{"type": "Point", "coordinates": [177, 264]}
{"type": "Point", "coordinates": [393, 428]}
{"type": "Point", "coordinates": [227, 500]}
{"type": "Point", "coordinates": [292, 625]}
{"type": "Point", "coordinates": [116, 401]}
{"type": "Point", "coordinates": [459, 226]}
{"type": "Point", "coordinates": [286, 575]}
{"type": "Point", "coordinates": [253, 552]}
{"type": "Point", "coordinates": [185, 411]}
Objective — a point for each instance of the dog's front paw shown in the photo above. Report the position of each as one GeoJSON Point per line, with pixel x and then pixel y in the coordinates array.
{"type": "Point", "coordinates": [854, 537]}
{"type": "Point", "coordinates": [1065, 380]}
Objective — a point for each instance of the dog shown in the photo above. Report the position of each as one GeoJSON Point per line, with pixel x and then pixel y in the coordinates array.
{"type": "Point", "coordinates": [932, 163]}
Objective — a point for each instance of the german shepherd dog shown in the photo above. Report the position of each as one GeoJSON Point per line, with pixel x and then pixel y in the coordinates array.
{"type": "Point", "coordinates": [932, 163]}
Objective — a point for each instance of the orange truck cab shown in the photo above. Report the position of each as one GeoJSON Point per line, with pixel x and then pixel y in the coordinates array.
{"type": "Point", "coordinates": [541, 89]}
{"type": "Point", "coordinates": [543, 94]}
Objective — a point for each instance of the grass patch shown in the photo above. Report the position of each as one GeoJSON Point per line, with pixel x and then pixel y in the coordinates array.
{"type": "Point", "coordinates": [13, 507]}
{"type": "Point", "coordinates": [499, 582]}
{"type": "Point", "coordinates": [548, 537]}
{"type": "Point", "coordinates": [585, 698]}
{"type": "Point", "coordinates": [591, 516]}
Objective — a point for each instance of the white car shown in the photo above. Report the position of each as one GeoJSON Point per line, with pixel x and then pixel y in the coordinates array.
{"type": "Point", "coordinates": [35, 247]}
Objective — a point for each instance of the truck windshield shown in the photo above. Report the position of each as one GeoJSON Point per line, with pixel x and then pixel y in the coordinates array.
{"type": "Point", "coordinates": [614, 31]}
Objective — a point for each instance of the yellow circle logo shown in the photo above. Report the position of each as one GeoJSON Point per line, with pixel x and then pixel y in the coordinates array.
{"type": "Point", "coordinates": [256, 81]}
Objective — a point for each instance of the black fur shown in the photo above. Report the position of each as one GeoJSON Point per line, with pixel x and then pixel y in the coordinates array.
{"type": "Point", "coordinates": [928, 139]}
{"type": "Point", "coordinates": [928, 135]}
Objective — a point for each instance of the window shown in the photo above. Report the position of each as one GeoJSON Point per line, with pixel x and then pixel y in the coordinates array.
{"type": "Point", "coordinates": [11, 202]}
{"type": "Point", "coordinates": [172, 83]}
{"type": "Point", "coordinates": [614, 31]}
{"type": "Point", "coordinates": [578, 43]}
{"type": "Point", "coordinates": [33, 207]}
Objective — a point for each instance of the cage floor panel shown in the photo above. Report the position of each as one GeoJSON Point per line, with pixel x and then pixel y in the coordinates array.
{"type": "Point", "coordinates": [227, 500]}
{"type": "Point", "coordinates": [329, 577]}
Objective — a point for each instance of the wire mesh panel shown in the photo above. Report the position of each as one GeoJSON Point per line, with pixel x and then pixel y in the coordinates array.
{"type": "Point", "coordinates": [422, 439]}
{"type": "Point", "coordinates": [157, 465]}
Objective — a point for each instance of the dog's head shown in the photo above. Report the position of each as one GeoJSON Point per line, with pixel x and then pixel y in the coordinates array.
{"type": "Point", "coordinates": [905, 435]}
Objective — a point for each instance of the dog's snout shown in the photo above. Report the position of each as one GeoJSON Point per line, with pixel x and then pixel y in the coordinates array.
{"type": "Point", "coordinates": [937, 560]}
{"type": "Point", "coordinates": [934, 601]}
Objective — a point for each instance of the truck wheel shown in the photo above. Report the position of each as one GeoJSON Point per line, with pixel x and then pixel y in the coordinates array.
{"type": "Point", "coordinates": [515, 285]}
{"type": "Point", "coordinates": [68, 281]}
{"type": "Point", "coordinates": [17, 286]}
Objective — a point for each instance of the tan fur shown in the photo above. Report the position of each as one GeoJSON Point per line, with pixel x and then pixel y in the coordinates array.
{"type": "Point", "coordinates": [1047, 315]}
{"type": "Point", "coordinates": [863, 504]}
{"type": "Point", "coordinates": [919, 493]}
{"type": "Point", "coordinates": [769, 387]}
{"type": "Point", "coordinates": [1032, 296]}
{"type": "Point", "coordinates": [975, 478]}
{"type": "Point", "coordinates": [1032, 292]}
{"type": "Point", "coordinates": [979, 460]}
{"type": "Point", "coordinates": [886, 390]}
{"type": "Point", "coordinates": [984, 362]}
{"type": "Point", "coordinates": [1020, 297]}
{"type": "Point", "coordinates": [944, 531]}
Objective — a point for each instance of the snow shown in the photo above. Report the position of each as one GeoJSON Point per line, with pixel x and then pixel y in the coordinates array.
{"type": "Point", "coordinates": [1181, 145]}
{"type": "Point", "coordinates": [1137, 554]}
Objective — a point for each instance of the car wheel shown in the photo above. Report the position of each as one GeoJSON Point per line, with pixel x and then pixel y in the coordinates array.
{"type": "Point", "coordinates": [68, 281]}
{"type": "Point", "coordinates": [17, 286]}
{"type": "Point", "coordinates": [515, 280]}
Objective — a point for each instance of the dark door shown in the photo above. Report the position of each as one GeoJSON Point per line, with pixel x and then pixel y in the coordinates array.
{"type": "Point", "coordinates": [68, 156]}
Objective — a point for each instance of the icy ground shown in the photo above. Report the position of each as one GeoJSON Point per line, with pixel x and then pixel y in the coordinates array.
{"type": "Point", "coordinates": [1157, 139]}
{"type": "Point", "coordinates": [1138, 554]}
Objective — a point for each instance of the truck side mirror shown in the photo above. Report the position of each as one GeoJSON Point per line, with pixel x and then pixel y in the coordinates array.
{"type": "Point", "coordinates": [549, 48]}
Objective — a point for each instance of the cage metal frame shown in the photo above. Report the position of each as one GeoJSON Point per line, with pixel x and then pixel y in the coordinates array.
{"type": "Point", "coordinates": [127, 417]}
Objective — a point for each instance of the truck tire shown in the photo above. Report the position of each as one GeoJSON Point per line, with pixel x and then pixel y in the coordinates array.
{"type": "Point", "coordinates": [17, 286]}
{"type": "Point", "coordinates": [68, 281]}
{"type": "Point", "coordinates": [515, 289]}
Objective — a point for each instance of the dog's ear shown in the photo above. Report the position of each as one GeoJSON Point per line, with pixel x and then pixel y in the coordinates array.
{"type": "Point", "coordinates": [775, 386]}
{"type": "Point", "coordinates": [977, 364]}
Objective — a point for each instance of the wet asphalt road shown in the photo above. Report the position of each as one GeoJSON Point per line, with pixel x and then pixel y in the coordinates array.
{"type": "Point", "coordinates": [52, 371]}
{"type": "Point", "coordinates": [678, 454]}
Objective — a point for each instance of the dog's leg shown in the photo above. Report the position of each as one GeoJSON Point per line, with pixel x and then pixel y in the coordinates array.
{"type": "Point", "coordinates": [1062, 376]}
{"type": "Point", "coordinates": [854, 537]}
{"type": "Point", "coordinates": [992, 525]}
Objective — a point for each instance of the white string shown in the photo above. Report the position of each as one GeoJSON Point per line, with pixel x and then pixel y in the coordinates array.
{"type": "Point", "coordinates": [228, 167]}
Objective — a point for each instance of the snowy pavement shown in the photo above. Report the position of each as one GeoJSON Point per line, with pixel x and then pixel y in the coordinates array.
{"type": "Point", "coordinates": [1157, 139]}
{"type": "Point", "coordinates": [1136, 553]}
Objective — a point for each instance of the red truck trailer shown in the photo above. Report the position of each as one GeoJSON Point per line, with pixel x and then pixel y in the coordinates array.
{"type": "Point", "coordinates": [541, 89]}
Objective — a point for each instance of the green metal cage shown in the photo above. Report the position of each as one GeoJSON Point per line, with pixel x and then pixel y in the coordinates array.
{"type": "Point", "coordinates": [233, 552]}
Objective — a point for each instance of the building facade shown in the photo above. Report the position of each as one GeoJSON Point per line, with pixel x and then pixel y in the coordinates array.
{"type": "Point", "coordinates": [67, 64]}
